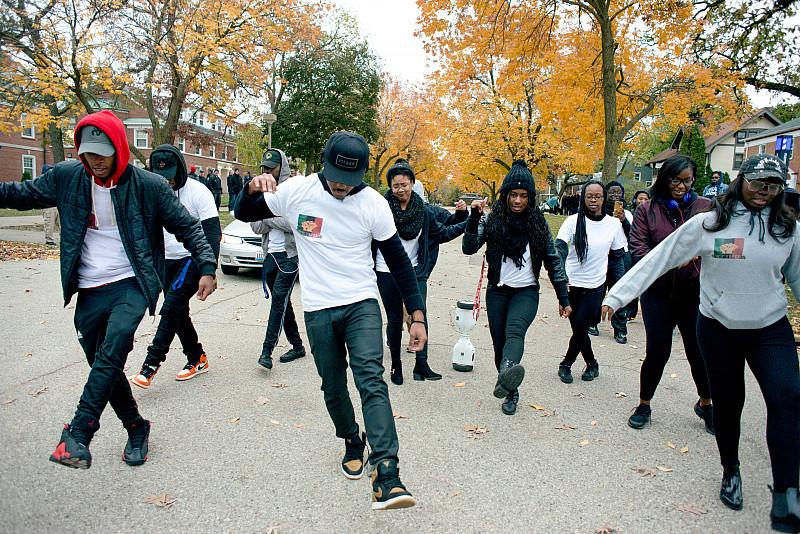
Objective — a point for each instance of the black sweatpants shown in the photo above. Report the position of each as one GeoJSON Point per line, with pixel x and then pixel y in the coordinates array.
{"type": "Point", "coordinates": [662, 311]}
{"type": "Point", "coordinates": [183, 279]}
{"type": "Point", "coordinates": [771, 354]}
{"type": "Point", "coordinates": [353, 332]}
{"type": "Point", "coordinates": [393, 305]}
{"type": "Point", "coordinates": [280, 272]}
{"type": "Point", "coordinates": [511, 311]}
{"type": "Point", "coordinates": [585, 303]}
{"type": "Point", "coordinates": [106, 319]}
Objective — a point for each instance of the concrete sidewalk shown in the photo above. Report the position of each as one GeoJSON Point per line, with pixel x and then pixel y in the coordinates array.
{"type": "Point", "coordinates": [242, 449]}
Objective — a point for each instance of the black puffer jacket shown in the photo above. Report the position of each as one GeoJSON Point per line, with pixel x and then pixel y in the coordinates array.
{"type": "Point", "coordinates": [475, 237]}
{"type": "Point", "coordinates": [143, 205]}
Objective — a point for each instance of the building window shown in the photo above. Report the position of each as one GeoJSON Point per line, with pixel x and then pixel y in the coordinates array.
{"type": "Point", "coordinates": [737, 160]}
{"type": "Point", "coordinates": [637, 176]}
{"type": "Point", "coordinates": [740, 137]}
{"type": "Point", "coordinates": [28, 130]}
{"type": "Point", "coordinates": [182, 144]}
{"type": "Point", "coordinates": [201, 119]}
{"type": "Point", "coordinates": [198, 151]}
{"type": "Point", "coordinates": [29, 165]}
{"type": "Point", "coordinates": [762, 149]}
{"type": "Point", "coordinates": [212, 151]}
{"type": "Point", "coordinates": [140, 138]}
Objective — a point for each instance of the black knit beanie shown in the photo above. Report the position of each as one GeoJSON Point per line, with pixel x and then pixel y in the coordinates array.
{"type": "Point", "coordinates": [400, 166]}
{"type": "Point", "coordinates": [519, 177]}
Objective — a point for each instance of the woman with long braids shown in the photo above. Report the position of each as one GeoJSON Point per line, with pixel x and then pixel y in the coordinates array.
{"type": "Point", "coordinates": [417, 226]}
{"type": "Point", "coordinates": [746, 243]}
{"type": "Point", "coordinates": [591, 244]}
{"type": "Point", "coordinates": [518, 242]}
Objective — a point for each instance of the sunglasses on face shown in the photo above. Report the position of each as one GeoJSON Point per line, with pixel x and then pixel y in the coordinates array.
{"type": "Point", "coordinates": [759, 185]}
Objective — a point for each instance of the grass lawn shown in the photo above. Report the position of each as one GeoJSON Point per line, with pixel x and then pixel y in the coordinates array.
{"type": "Point", "coordinates": [555, 222]}
{"type": "Point", "coordinates": [17, 213]}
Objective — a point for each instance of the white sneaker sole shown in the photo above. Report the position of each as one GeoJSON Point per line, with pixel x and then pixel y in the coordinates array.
{"type": "Point", "coordinates": [352, 477]}
{"type": "Point", "coordinates": [189, 377]}
{"type": "Point", "coordinates": [401, 501]}
{"type": "Point", "coordinates": [139, 384]}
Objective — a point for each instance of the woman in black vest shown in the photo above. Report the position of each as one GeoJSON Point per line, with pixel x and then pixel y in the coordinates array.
{"type": "Point", "coordinates": [517, 241]}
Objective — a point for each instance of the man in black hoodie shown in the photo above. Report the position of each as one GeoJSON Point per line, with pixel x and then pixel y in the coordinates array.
{"type": "Point", "coordinates": [182, 272]}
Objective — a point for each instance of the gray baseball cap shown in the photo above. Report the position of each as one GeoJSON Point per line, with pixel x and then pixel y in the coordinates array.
{"type": "Point", "coordinates": [95, 140]}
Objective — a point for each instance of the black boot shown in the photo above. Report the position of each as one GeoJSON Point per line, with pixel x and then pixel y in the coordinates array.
{"type": "Point", "coordinates": [509, 407]}
{"type": "Point", "coordinates": [785, 514]}
{"type": "Point", "coordinates": [422, 371]}
{"type": "Point", "coordinates": [730, 492]}
{"type": "Point", "coordinates": [397, 373]}
{"type": "Point", "coordinates": [508, 378]}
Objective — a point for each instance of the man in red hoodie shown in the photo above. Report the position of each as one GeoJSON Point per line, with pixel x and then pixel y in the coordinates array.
{"type": "Point", "coordinates": [112, 256]}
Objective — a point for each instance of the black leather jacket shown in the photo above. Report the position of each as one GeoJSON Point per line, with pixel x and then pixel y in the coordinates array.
{"type": "Point", "coordinates": [143, 205]}
{"type": "Point", "coordinates": [475, 237]}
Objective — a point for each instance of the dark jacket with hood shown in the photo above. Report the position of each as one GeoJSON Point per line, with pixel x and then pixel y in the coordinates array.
{"type": "Point", "coordinates": [265, 226]}
{"type": "Point", "coordinates": [143, 205]}
{"type": "Point", "coordinates": [653, 222]}
{"type": "Point", "coordinates": [475, 237]}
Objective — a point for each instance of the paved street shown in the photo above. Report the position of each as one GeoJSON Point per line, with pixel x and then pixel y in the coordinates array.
{"type": "Point", "coordinates": [241, 449]}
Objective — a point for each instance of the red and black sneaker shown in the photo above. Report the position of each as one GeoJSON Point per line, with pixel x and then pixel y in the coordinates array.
{"type": "Point", "coordinates": [135, 452]}
{"type": "Point", "coordinates": [70, 451]}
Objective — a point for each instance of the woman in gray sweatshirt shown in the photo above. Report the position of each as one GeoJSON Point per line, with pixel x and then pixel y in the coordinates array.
{"type": "Point", "coordinates": [747, 244]}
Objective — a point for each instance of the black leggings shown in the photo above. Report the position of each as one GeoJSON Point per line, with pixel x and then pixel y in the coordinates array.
{"type": "Point", "coordinates": [511, 311]}
{"type": "Point", "coordinates": [662, 311]}
{"type": "Point", "coordinates": [585, 304]}
{"type": "Point", "coordinates": [771, 354]}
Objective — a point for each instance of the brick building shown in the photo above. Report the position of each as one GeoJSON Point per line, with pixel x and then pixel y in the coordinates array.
{"type": "Point", "coordinates": [764, 143]}
{"type": "Point", "coordinates": [205, 141]}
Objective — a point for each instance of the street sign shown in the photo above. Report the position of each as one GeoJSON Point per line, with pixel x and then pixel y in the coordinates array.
{"type": "Point", "coordinates": [783, 143]}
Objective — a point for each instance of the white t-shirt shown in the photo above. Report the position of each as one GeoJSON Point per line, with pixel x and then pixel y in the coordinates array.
{"type": "Point", "coordinates": [277, 241]}
{"type": "Point", "coordinates": [602, 236]}
{"type": "Point", "coordinates": [199, 202]}
{"type": "Point", "coordinates": [334, 239]}
{"type": "Point", "coordinates": [512, 276]}
{"type": "Point", "coordinates": [412, 249]}
{"type": "Point", "coordinates": [103, 259]}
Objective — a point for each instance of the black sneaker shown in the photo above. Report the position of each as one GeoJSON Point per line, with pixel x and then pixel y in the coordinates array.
{"type": "Point", "coordinates": [353, 460]}
{"type": "Point", "coordinates": [565, 373]}
{"type": "Point", "coordinates": [621, 338]}
{"type": "Point", "coordinates": [136, 448]}
{"type": "Point", "coordinates": [509, 406]}
{"type": "Point", "coordinates": [388, 492]}
{"type": "Point", "coordinates": [593, 331]}
{"type": "Point", "coordinates": [292, 355]}
{"type": "Point", "coordinates": [422, 371]}
{"type": "Point", "coordinates": [785, 514]}
{"type": "Point", "coordinates": [706, 413]}
{"type": "Point", "coordinates": [72, 450]}
{"type": "Point", "coordinates": [640, 417]}
{"type": "Point", "coordinates": [591, 372]}
{"type": "Point", "coordinates": [508, 379]}
{"type": "Point", "coordinates": [730, 491]}
{"type": "Point", "coordinates": [265, 360]}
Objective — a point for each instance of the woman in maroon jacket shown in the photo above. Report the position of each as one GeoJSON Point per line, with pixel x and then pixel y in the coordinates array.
{"type": "Point", "coordinates": [673, 300]}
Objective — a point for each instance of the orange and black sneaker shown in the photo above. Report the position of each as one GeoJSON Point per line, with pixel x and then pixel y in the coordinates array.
{"type": "Point", "coordinates": [145, 377]}
{"type": "Point", "coordinates": [388, 493]}
{"type": "Point", "coordinates": [353, 461]}
{"type": "Point", "coordinates": [70, 451]}
{"type": "Point", "coordinates": [191, 370]}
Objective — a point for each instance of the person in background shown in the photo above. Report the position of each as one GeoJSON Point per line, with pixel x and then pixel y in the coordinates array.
{"type": "Point", "coordinates": [748, 238]}
{"type": "Point", "coordinates": [234, 188]}
{"type": "Point", "coordinates": [791, 203]}
{"type": "Point", "coordinates": [590, 244]}
{"type": "Point", "coordinates": [518, 243]}
{"type": "Point", "coordinates": [639, 197]}
{"type": "Point", "coordinates": [717, 186]}
{"type": "Point", "coordinates": [193, 173]}
{"type": "Point", "coordinates": [52, 221]}
{"type": "Point", "coordinates": [215, 186]}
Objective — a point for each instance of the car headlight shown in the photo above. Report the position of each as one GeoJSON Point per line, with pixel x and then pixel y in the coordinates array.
{"type": "Point", "coordinates": [232, 239]}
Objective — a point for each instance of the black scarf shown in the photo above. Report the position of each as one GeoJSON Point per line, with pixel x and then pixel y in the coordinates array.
{"type": "Point", "coordinates": [408, 221]}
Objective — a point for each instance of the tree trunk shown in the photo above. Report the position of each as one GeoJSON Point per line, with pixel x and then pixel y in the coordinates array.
{"type": "Point", "coordinates": [56, 143]}
{"type": "Point", "coordinates": [609, 81]}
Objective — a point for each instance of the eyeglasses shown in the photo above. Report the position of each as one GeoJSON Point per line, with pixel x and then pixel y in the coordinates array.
{"type": "Point", "coordinates": [676, 181]}
{"type": "Point", "coordinates": [758, 185]}
{"type": "Point", "coordinates": [400, 187]}
{"type": "Point", "coordinates": [594, 197]}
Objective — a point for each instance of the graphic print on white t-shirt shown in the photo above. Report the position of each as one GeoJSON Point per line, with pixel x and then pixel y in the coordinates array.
{"type": "Point", "coordinates": [334, 239]}
{"type": "Point", "coordinates": [199, 202]}
{"type": "Point", "coordinates": [602, 236]}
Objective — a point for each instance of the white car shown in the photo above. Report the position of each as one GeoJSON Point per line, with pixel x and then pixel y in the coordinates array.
{"type": "Point", "coordinates": [240, 247]}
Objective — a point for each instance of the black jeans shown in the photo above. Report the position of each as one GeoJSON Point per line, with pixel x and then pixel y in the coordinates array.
{"type": "Point", "coordinates": [393, 305]}
{"type": "Point", "coordinates": [511, 311]}
{"type": "Point", "coordinates": [183, 279]}
{"type": "Point", "coordinates": [281, 272]}
{"type": "Point", "coordinates": [585, 304]}
{"type": "Point", "coordinates": [662, 311]}
{"type": "Point", "coordinates": [619, 321]}
{"type": "Point", "coordinates": [771, 354]}
{"type": "Point", "coordinates": [106, 319]}
{"type": "Point", "coordinates": [354, 332]}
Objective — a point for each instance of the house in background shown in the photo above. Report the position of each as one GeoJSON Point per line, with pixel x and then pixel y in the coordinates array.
{"type": "Point", "coordinates": [781, 141]}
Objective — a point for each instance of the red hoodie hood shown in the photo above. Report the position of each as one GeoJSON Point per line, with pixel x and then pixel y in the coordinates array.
{"type": "Point", "coordinates": [113, 127]}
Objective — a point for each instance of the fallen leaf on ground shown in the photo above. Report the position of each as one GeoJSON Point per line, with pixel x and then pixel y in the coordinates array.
{"type": "Point", "coordinates": [634, 346]}
{"type": "Point", "coordinates": [605, 530]}
{"type": "Point", "coordinates": [537, 407]}
{"type": "Point", "coordinates": [16, 251]}
{"type": "Point", "coordinates": [685, 449]}
{"type": "Point", "coordinates": [664, 469]}
{"type": "Point", "coordinates": [673, 375]}
{"type": "Point", "coordinates": [547, 413]}
{"type": "Point", "coordinates": [279, 386]}
{"type": "Point", "coordinates": [234, 419]}
{"type": "Point", "coordinates": [620, 394]}
{"type": "Point", "coordinates": [261, 320]}
{"type": "Point", "coordinates": [645, 471]}
{"type": "Point", "coordinates": [475, 431]}
{"type": "Point", "coordinates": [237, 316]}
{"type": "Point", "coordinates": [273, 530]}
{"type": "Point", "coordinates": [7, 402]}
{"type": "Point", "coordinates": [274, 422]}
{"type": "Point", "coordinates": [455, 493]}
{"type": "Point", "coordinates": [162, 501]}
{"type": "Point", "coordinates": [262, 401]}
{"type": "Point", "coordinates": [38, 392]}
{"type": "Point", "coordinates": [583, 442]}
{"type": "Point", "coordinates": [671, 445]}
{"type": "Point", "coordinates": [399, 416]}
{"type": "Point", "coordinates": [692, 509]}
{"type": "Point", "coordinates": [594, 423]}
{"type": "Point", "coordinates": [459, 384]}
{"type": "Point", "coordinates": [28, 355]}
{"type": "Point", "coordinates": [42, 322]}
{"type": "Point", "coordinates": [299, 425]}
{"type": "Point", "coordinates": [580, 395]}
{"type": "Point", "coordinates": [565, 426]}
